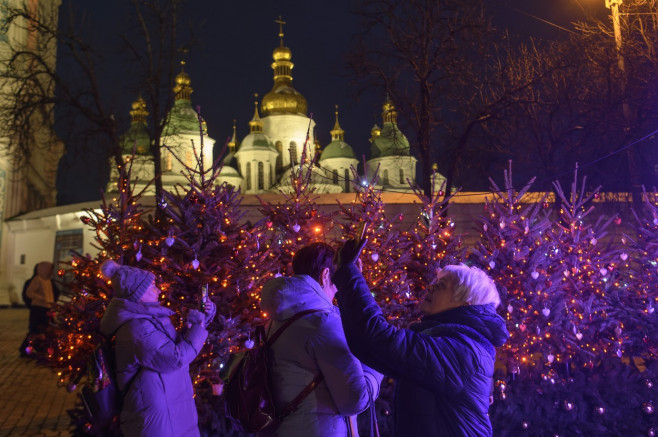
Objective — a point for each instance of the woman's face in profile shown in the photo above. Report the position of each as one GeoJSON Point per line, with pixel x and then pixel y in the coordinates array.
{"type": "Point", "coordinates": [439, 296]}
{"type": "Point", "coordinates": [151, 294]}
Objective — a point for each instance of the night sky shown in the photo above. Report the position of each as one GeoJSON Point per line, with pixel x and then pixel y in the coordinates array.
{"type": "Point", "coordinates": [232, 61]}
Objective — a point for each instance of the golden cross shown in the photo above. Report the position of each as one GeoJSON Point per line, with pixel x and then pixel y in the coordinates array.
{"type": "Point", "coordinates": [281, 23]}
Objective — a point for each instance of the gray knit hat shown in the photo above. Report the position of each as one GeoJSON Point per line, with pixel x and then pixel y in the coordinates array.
{"type": "Point", "coordinates": [129, 282]}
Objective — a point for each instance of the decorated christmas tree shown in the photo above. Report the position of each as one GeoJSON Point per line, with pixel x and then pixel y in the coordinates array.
{"type": "Point", "coordinates": [566, 369]}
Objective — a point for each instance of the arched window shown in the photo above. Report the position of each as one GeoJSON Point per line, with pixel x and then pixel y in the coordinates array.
{"type": "Point", "coordinates": [249, 176]}
{"type": "Point", "coordinates": [385, 177]}
{"type": "Point", "coordinates": [347, 180]}
{"type": "Point", "coordinates": [279, 156]}
{"type": "Point", "coordinates": [168, 161]}
{"type": "Point", "coordinates": [335, 174]}
{"type": "Point", "coordinates": [401, 176]}
{"type": "Point", "coordinates": [261, 176]}
{"type": "Point", "coordinates": [294, 160]}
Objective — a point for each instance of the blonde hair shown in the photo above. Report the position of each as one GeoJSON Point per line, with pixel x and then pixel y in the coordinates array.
{"type": "Point", "coordinates": [471, 285]}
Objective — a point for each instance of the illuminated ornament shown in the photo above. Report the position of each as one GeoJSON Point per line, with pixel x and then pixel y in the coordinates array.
{"type": "Point", "coordinates": [296, 227]}
{"type": "Point", "coordinates": [593, 241]}
{"type": "Point", "coordinates": [29, 350]}
{"type": "Point", "coordinates": [374, 256]}
{"type": "Point", "coordinates": [545, 205]}
{"type": "Point", "coordinates": [600, 410]}
{"type": "Point", "coordinates": [647, 408]}
{"type": "Point", "coordinates": [492, 264]}
{"type": "Point", "coordinates": [623, 256]}
{"type": "Point", "coordinates": [534, 274]}
{"type": "Point", "coordinates": [567, 405]}
{"type": "Point", "coordinates": [169, 241]}
{"type": "Point", "coordinates": [61, 272]}
{"type": "Point", "coordinates": [648, 383]}
{"type": "Point", "coordinates": [485, 227]}
{"type": "Point", "coordinates": [138, 255]}
{"type": "Point", "coordinates": [277, 275]}
{"type": "Point", "coordinates": [522, 327]}
{"type": "Point", "coordinates": [249, 344]}
{"type": "Point", "coordinates": [502, 224]}
{"type": "Point", "coordinates": [619, 353]}
{"type": "Point", "coordinates": [510, 308]}
{"type": "Point", "coordinates": [70, 387]}
{"type": "Point", "coordinates": [162, 203]}
{"type": "Point", "coordinates": [501, 385]}
{"type": "Point", "coordinates": [546, 312]}
{"type": "Point", "coordinates": [269, 224]}
{"type": "Point", "coordinates": [524, 425]}
{"type": "Point", "coordinates": [566, 273]}
{"type": "Point", "coordinates": [85, 220]}
{"type": "Point", "coordinates": [651, 432]}
{"type": "Point", "coordinates": [433, 246]}
{"type": "Point", "coordinates": [650, 309]}
{"type": "Point", "coordinates": [401, 217]}
{"type": "Point", "coordinates": [618, 331]}
{"type": "Point", "coordinates": [526, 229]}
{"type": "Point", "coordinates": [623, 240]}
{"type": "Point", "coordinates": [579, 335]}
{"type": "Point", "coordinates": [597, 195]}
{"type": "Point", "coordinates": [195, 264]}
{"type": "Point", "coordinates": [618, 220]}
{"type": "Point", "coordinates": [655, 221]}
{"type": "Point", "coordinates": [603, 271]}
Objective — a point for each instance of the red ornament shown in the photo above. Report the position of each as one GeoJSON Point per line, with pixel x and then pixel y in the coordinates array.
{"type": "Point", "coordinates": [401, 217]}
{"type": "Point", "coordinates": [269, 224]}
{"type": "Point", "coordinates": [85, 220]}
{"type": "Point", "coordinates": [618, 221]}
{"type": "Point", "coordinates": [60, 272]}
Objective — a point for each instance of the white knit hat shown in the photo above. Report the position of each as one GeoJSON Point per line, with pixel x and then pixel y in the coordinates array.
{"type": "Point", "coordinates": [129, 282]}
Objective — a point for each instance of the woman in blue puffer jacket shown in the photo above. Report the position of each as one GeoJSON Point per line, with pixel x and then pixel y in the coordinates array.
{"type": "Point", "coordinates": [443, 365]}
{"type": "Point", "coordinates": [152, 357]}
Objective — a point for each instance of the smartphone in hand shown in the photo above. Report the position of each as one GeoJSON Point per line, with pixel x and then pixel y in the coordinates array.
{"type": "Point", "coordinates": [204, 298]}
{"type": "Point", "coordinates": [360, 233]}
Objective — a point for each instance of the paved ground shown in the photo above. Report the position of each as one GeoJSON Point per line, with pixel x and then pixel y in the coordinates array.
{"type": "Point", "coordinates": [31, 404]}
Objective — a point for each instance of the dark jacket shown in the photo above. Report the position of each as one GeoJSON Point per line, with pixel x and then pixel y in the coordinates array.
{"type": "Point", "coordinates": [153, 363]}
{"type": "Point", "coordinates": [311, 345]}
{"type": "Point", "coordinates": [443, 365]}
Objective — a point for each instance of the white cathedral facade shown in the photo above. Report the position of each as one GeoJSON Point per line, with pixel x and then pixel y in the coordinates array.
{"type": "Point", "coordinates": [279, 141]}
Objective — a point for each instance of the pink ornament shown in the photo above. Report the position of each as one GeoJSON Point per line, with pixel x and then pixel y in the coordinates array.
{"type": "Point", "coordinates": [618, 221]}
{"type": "Point", "coordinates": [296, 227]}
{"type": "Point", "coordinates": [534, 274]}
{"type": "Point", "coordinates": [546, 312]}
{"type": "Point", "coordinates": [374, 256]}
{"type": "Point", "coordinates": [550, 358]}
{"type": "Point", "coordinates": [269, 224]}
{"type": "Point", "coordinates": [623, 256]}
{"type": "Point", "coordinates": [522, 327]}
{"type": "Point", "coordinates": [579, 335]}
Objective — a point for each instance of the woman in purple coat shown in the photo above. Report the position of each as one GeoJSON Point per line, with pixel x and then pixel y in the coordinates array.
{"type": "Point", "coordinates": [152, 357]}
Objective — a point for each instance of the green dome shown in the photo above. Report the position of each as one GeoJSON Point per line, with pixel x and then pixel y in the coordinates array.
{"type": "Point", "coordinates": [391, 142]}
{"type": "Point", "coordinates": [137, 137]}
{"type": "Point", "coordinates": [337, 149]}
{"type": "Point", "coordinates": [182, 118]}
{"type": "Point", "coordinates": [256, 141]}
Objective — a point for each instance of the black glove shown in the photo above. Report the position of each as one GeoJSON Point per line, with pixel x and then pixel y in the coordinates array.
{"type": "Point", "coordinates": [349, 253]}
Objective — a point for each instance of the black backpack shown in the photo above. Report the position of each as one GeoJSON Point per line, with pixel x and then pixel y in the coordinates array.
{"type": "Point", "coordinates": [248, 392]}
{"type": "Point", "coordinates": [101, 395]}
{"type": "Point", "coordinates": [26, 300]}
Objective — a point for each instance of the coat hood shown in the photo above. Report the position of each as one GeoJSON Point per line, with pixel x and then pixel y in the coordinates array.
{"type": "Point", "coordinates": [45, 269]}
{"type": "Point", "coordinates": [480, 318]}
{"type": "Point", "coordinates": [284, 297]}
{"type": "Point", "coordinates": [120, 311]}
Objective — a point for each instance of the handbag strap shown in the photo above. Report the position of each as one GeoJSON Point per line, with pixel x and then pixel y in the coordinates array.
{"type": "Point", "coordinates": [294, 404]}
{"type": "Point", "coordinates": [269, 341]}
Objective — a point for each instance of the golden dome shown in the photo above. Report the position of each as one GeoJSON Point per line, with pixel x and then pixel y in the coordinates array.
{"type": "Point", "coordinates": [389, 113]}
{"type": "Point", "coordinates": [139, 113]}
{"type": "Point", "coordinates": [281, 54]}
{"type": "Point", "coordinates": [283, 98]}
{"type": "Point", "coordinates": [182, 89]}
